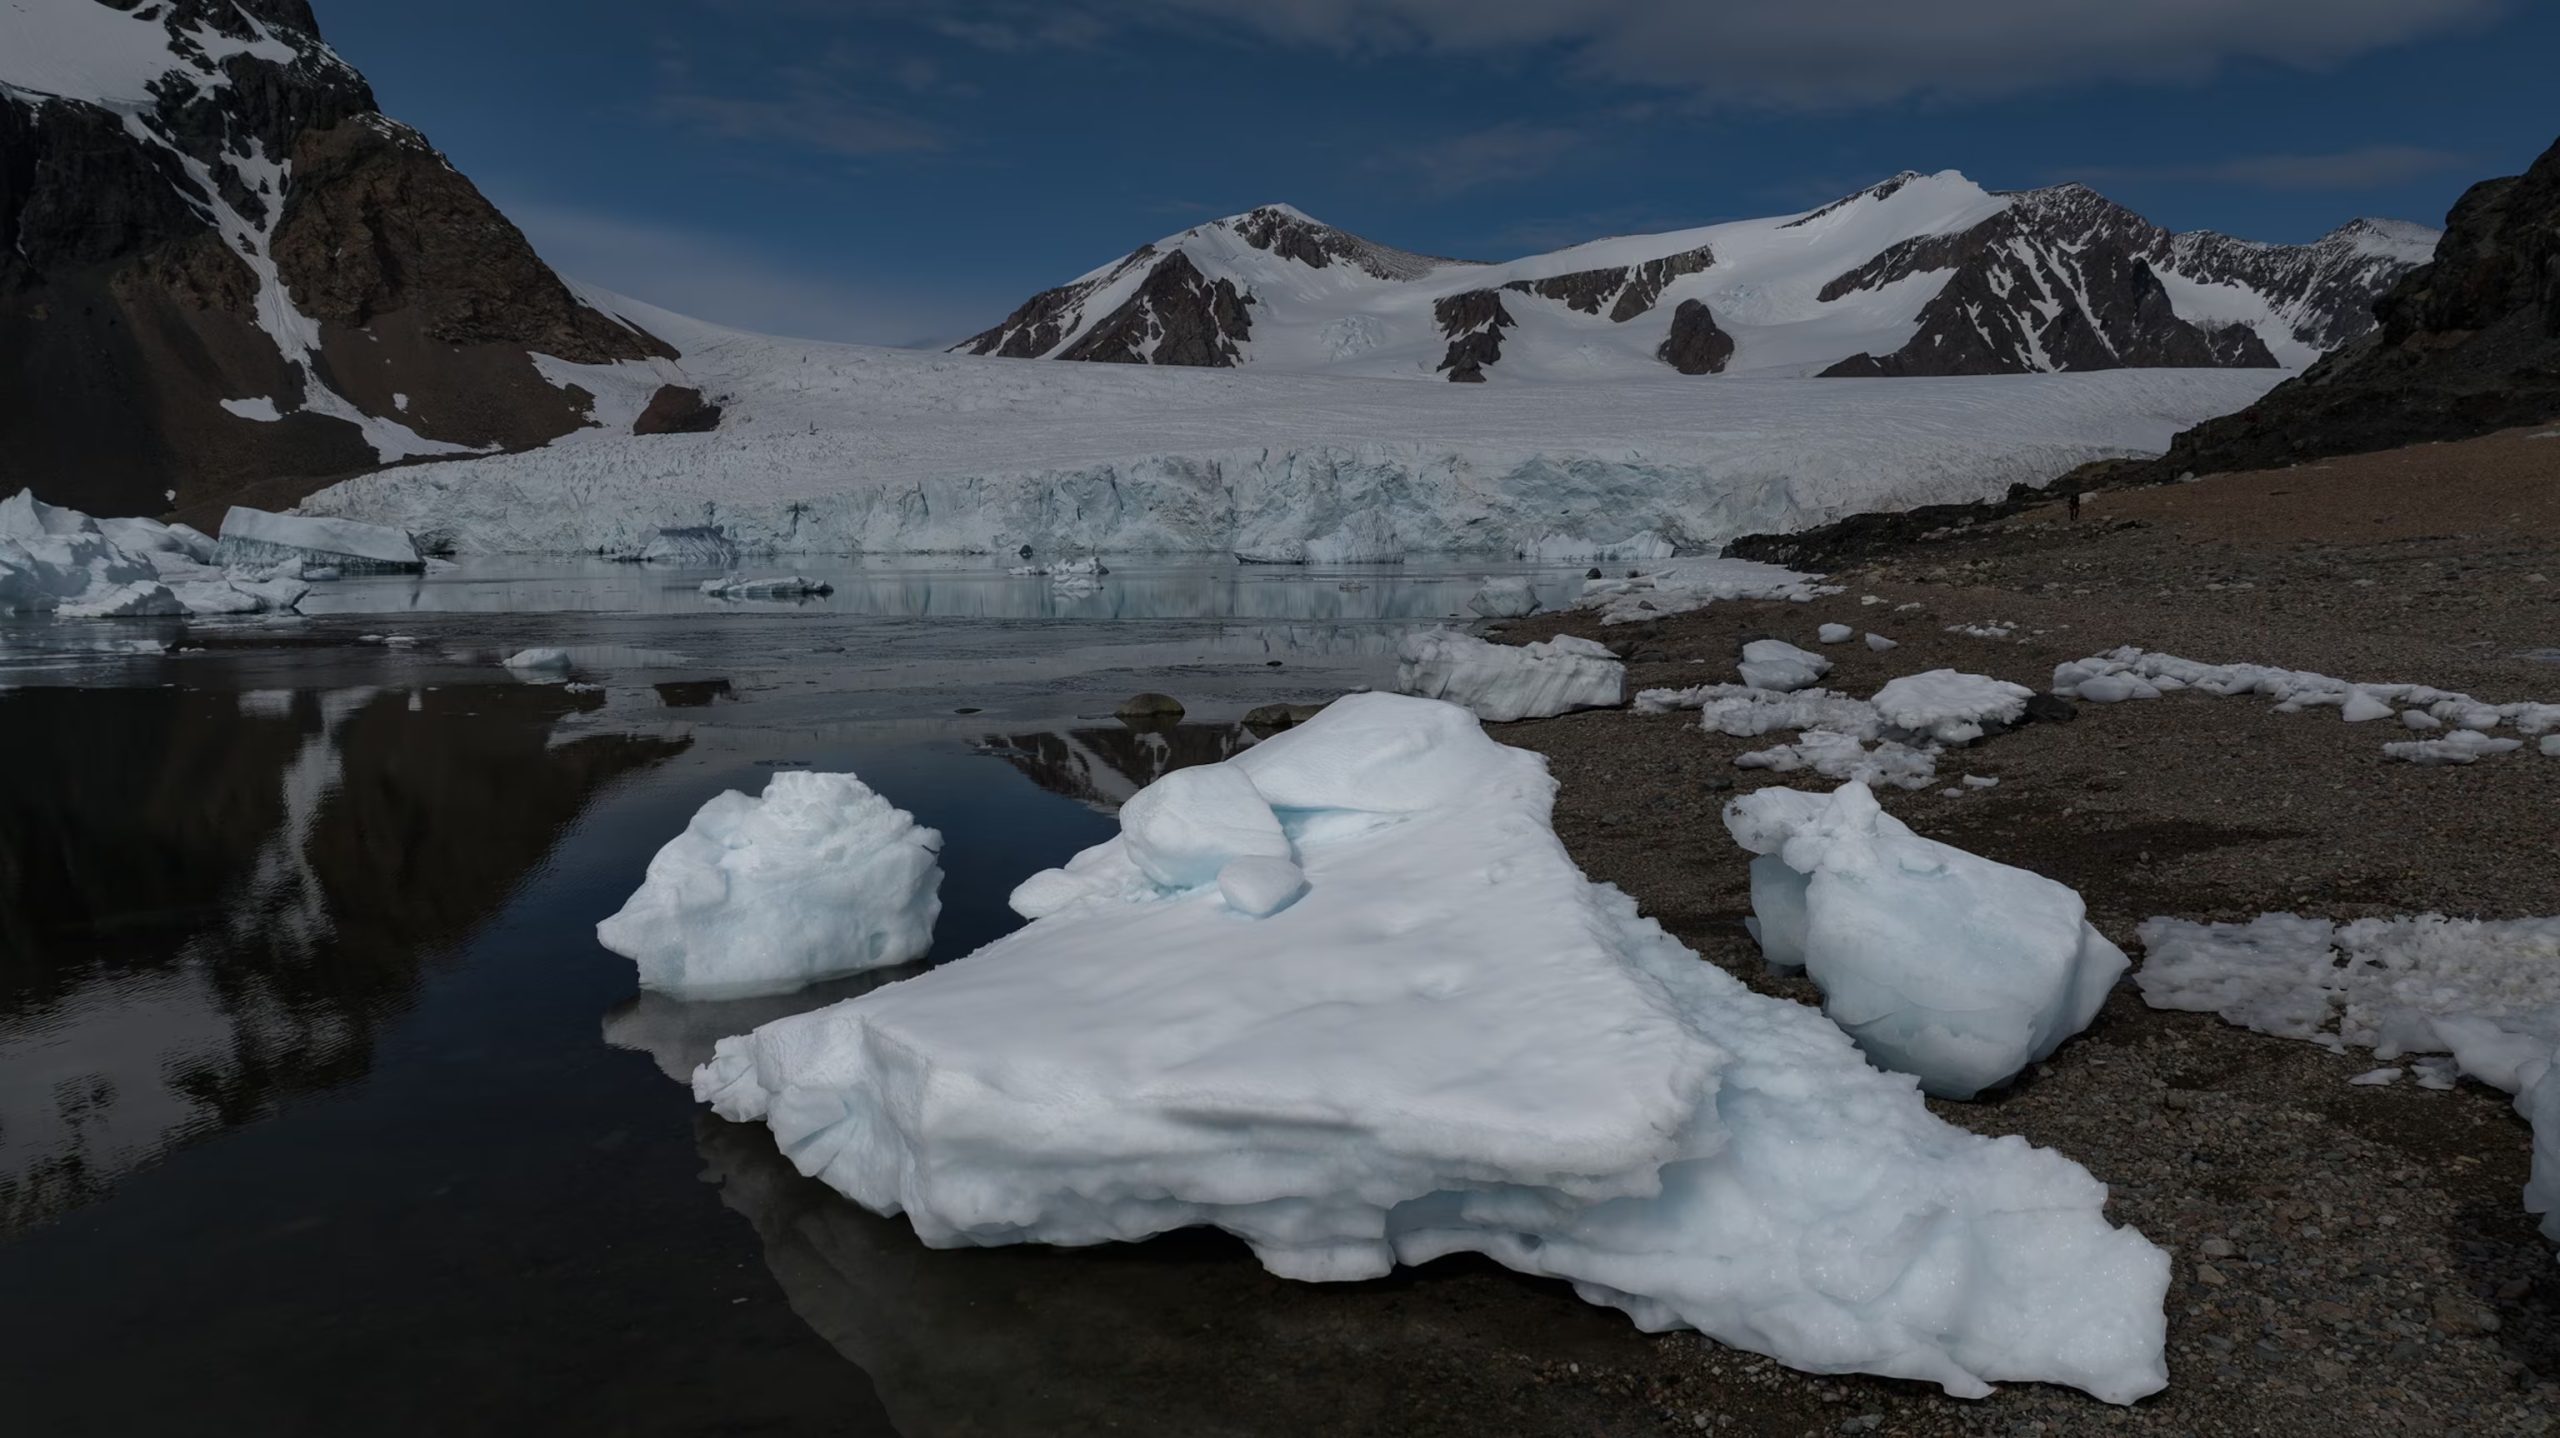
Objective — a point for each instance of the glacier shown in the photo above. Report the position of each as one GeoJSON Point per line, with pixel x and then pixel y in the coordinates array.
{"type": "Point", "coordinates": [839, 449]}
{"type": "Point", "coordinates": [1451, 1041]}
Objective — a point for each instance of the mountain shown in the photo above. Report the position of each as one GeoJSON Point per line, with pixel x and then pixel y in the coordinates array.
{"type": "Point", "coordinates": [2466, 345]}
{"type": "Point", "coordinates": [1918, 275]}
{"type": "Point", "coordinates": [222, 266]}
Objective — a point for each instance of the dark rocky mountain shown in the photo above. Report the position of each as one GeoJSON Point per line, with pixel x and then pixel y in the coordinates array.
{"type": "Point", "coordinates": [224, 266]}
{"type": "Point", "coordinates": [2466, 345]}
{"type": "Point", "coordinates": [1918, 275]}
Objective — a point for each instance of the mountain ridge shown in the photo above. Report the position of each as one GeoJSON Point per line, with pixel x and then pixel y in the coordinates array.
{"type": "Point", "coordinates": [1915, 274]}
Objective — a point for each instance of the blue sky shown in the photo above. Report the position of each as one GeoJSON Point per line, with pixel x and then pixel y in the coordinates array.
{"type": "Point", "coordinates": [904, 173]}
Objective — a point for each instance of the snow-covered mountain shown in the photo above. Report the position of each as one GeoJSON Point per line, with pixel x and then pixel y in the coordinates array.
{"type": "Point", "coordinates": [222, 266]}
{"type": "Point", "coordinates": [1918, 275]}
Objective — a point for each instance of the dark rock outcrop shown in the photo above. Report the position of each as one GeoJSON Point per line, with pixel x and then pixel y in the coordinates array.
{"type": "Point", "coordinates": [2063, 279]}
{"type": "Point", "coordinates": [142, 265]}
{"type": "Point", "coordinates": [1178, 316]}
{"type": "Point", "coordinates": [1473, 321]}
{"type": "Point", "coordinates": [1696, 344]}
{"type": "Point", "coordinates": [1626, 291]}
{"type": "Point", "coordinates": [2466, 345]}
{"type": "Point", "coordinates": [677, 409]}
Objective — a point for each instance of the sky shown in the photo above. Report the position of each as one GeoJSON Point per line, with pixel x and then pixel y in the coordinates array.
{"type": "Point", "coordinates": [906, 174]}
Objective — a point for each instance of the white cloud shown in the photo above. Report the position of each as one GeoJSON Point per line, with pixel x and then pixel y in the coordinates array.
{"type": "Point", "coordinates": [728, 281]}
{"type": "Point", "coordinates": [1829, 53]}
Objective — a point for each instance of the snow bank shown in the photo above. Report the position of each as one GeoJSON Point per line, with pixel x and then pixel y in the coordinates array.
{"type": "Point", "coordinates": [819, 878]}
{"type": "Point", "coordinates": [1776, 664]}
{"type": "Point", "coordinates": [2129, 673]}
{"type": "Point", "coordinates": [1939, 963]}
{"type": "Point", "coordinates": [1694, 584]}
{"type": "Point", "coordinates": [1452, 1041]}
{"type": "Point", "coordinates": [1502, 682]}
{"type": "Point", "coordinates": [252, 537]}
{"type": "Point", "coordinates": [2485, 991]}
{"type": "Point", "coordinates": [842, 449]}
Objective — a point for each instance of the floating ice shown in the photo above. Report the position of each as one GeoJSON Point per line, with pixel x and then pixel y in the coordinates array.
{"type": "Point", "coordinates": [252, 537]}
{"type": "Point", "coordinates": [819, 878]}
{"type": "Point", "coordinates": [1504, 599]}
{"type": "Point", "coordinates": [780, 586]}
{"type": "Point", "coordinates": [1502, 682]}
{"type": "Point", "coordinates": [1776, 664]}
{"type": "Point", "coordinates": [1451, 1042]}
{"type": "Point", "coordinates": [1941, 964]}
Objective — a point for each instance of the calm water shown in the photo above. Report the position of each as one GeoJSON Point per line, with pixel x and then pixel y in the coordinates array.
{"type": "Point", "coordinates": [322, 1111]}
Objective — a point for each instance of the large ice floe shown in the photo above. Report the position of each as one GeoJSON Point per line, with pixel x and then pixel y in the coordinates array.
{"type": "Point", "coordinates": [252, 537]}
{"type": "Point", "coordinates": [59, 561]}
{"type": "Point", "coordinates": [2128, 673]}
{"type": "Point", "coordinates": [818, 878]}
{"type": "Point", "coordinates": [2485, 991]}
{"type": "Point", "coordinates": [1451, 1041]}
{"type": "Point", "coordinates": [1941, 964]}
{"type": "Point", "coordinates": [1502, 682]}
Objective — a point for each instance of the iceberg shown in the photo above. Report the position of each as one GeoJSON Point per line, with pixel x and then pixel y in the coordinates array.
{"type": "Point", "coordinates": [1503, 682]}
{"type": "Point", "coordinates": [254, 537]}
{"type": "Point", "coordinates": [1941, 964]}
{"type": "Point", "coordinates": [1507, 598]}
{"type": "Point", "coordinates": [819, 878]}
{"type": "Point", "coordinates": [1450, 1042]}
{"type": "Point", "coordinates": [781, 586]}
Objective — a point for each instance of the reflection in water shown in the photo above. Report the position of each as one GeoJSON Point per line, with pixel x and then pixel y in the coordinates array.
{"type": "Point", "coordinates": [1137, 589]}
{"type": "Point", "coordinates": [679, 1034]}
{"type": "Point", "coordinates": [1102, 766]}
{"type": "Point", "coordinates": [216, 900]}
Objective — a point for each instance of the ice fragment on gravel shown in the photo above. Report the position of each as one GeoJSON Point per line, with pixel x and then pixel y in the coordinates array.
{"type": "Point", "coordinates": [1776, 664]}
{"type": "Point", "coordinates": [818, 878]}
{"type": "Point", "coordinates": [1452, 1042]}
{"type": "Point", "coordinates": [1695, 584]}
{"type": "Point", "coordinates": [1834, 633]}
{"type": "Point", "coordinates": [1502, 682]}
{"type": "Point", "coordinates": [1880, 644]}
{"type": "Point", "coordinates": [1950, 707]}
{"type": "Point", "coordinates": [2462, 746]}
{"type": "Point", "coordinates": [1845, 756]}
{"type": "Point", "coordinates": [2360, 708]}
{"type": "Point", "coordinates": [2375, 1077]}
{"type": "Point", "coordinates": [1939, 963]}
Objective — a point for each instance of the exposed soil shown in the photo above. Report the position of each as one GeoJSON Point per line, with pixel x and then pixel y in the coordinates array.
{"type": "Point", "coordinates": [2370, 1264]}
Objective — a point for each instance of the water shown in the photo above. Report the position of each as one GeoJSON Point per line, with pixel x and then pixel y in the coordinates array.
{"type": "Point", "coordinates": [322, 1111]}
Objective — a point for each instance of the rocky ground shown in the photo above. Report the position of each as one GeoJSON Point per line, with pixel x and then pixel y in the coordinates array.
{"type": "Point", "coordinates": [2343, 1255]}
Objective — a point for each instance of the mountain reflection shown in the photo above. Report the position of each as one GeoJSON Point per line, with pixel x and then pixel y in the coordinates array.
{"type": "Point", "coordinates": [1103, 765]}
{"type": "Point", "coordinates": [218, 899]}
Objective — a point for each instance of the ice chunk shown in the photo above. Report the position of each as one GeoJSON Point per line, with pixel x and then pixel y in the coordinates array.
{"type": "Point", "coordinates": [2361, 707]}
{"type": "Point", "coordinates": [1185, 827]}
{"type": "Point", "coordinates": [1504, 599]}
{"type": "Point", "coordinates": [2550, 745]}
{"type": "Point", "coordinates": [1834, 633]}
{"type": "Point", "coordinates": [1845, 756]}
{"type": "Point", "coordinates": [1451, 1042]}
{"type": "Point", "coordinates": [2420, 720]}
{"type": "Point", "coordinates": [1695, 584]}
{"type": "Point", "coordinates": [780, 586]}
{"type": "Point", "coordinates": [2375, 1078]}
{"type": "Point", "coordinates": [818, 878]}
{"type": "Point", "coordinates": [1261, 887]}
{"type": "Point", "coordinates": [2540, 1104]}
{"type": "Point", "coordinates": [256, 537]}
{"type": "Point", "coordinates": [1950, 707]}
{"type": "Point", "coordinates": [141, 598]}
{"type": "Point", "coordinates": [544, 658]}
{"type": "Point", "coordinates": [1880, 644]}
{"type": "Point", "coordinates": [1941, 964]}
{"type": "Point", "coordinates": [1502, 682]}
{"type": "Point", "coordinates": [1776, 664]}
{"type": "Point", "coordinates": [2462, 746]}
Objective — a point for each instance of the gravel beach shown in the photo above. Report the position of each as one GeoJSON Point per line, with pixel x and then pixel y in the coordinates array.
{"type": "Point", "coordinates": [2351, 1256]}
